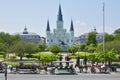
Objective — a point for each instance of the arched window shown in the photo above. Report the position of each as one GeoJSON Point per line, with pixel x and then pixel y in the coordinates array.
{"type": "Point", "coordinates": [47, 40]}
{"type": "Point", "coordinates": [67, 40]}
{"type": "Point", "coordinates": [71, 40]}
{"type": "Point", "coordinates": [51, 40]}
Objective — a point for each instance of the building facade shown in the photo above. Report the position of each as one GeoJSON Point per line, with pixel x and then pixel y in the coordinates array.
{"type": "Point", "coordinates": [82, 38]}
{"type": "Point", "coordinates": [60, 36]}
{"type": "Point", "coordinates": [29, 36]}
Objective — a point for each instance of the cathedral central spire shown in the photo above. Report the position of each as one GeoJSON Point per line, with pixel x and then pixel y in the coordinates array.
{"type": "Point", "coordinates": [59, 16]}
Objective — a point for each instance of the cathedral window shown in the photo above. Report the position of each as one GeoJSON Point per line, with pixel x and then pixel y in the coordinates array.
{"type": "Point", "coordinates": [47, 40]}
{"type": "Point", "coordinates": [51, 40]}
{"type": "Point", "coordinates": [71, 40]}
{"type": "Point", "coordinates": [100, 37]}
{"type": "Point", "coordinates": [67, 40]}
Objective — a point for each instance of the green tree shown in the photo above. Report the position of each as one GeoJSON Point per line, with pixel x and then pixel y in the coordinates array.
{"type": "Point", "coordinates": [22, 47]}
{"type": "Point", "coordinates": [117, 34]}
{"type": "Point", "coordinates": [82, 47]}
{"type": "Point", "coordinates": [7, 40]}
{"type": "Point", "coordinates": [93, 57]}
{"type": "Point", "coordinates": [91, 48]}
{"type": "Point", "coordinates": [2, 47]}
{"type": "Point", "coordinates": [15, 38]}
{"type": "Point", "coordinates": [73, 49]}
{"type": "Point", "coordinates": [54, 49]}
{"type": "Point", "coordinates": [19, 48]}
{"type": "Point", "coordinates": [99, 48]}
{"type": "Point", "coordinates": [30, 48]}
{"type": "Point", "coordinates": [113, 45]}
{"type": "Point", "coordinates": [41, 47]}
{"type": "Point", "coordinates": [117, 31]}
{"type": "Point", "coordinates": [117, 37]}
{"type": "Point", "coordinates": [107, 56]}
{"type": "Point", "coordinates": [91, 38]}
{"type": "Point", "coordinates": [108, 37]}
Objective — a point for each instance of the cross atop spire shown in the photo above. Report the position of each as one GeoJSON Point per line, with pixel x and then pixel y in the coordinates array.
{"type": "Point", "coordinates": [59, 18]}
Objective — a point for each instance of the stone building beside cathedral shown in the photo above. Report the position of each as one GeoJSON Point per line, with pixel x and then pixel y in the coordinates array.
{"type": "Point", "coordinates": [60, 36]}
{"type": "Point", "coordinates": [82, 38]}
{"type": "Point", "coordinates": [29, 36]}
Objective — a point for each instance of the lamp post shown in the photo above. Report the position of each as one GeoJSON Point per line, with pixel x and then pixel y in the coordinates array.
{"type": "Point", "coordinates": [85, 58]}
{"type": "Point", "coordinates": [78, 58]}
{"type": "Point", "coordinates": [103, 26]}
{"type": "Point", "coordinates": [39, 62]}
{"type": "Point", "coordinates": [5, 71]}
{"type": "Point", "coordinates": [104, 32]}
{"type": "Point", "coordinates": [60, 59]}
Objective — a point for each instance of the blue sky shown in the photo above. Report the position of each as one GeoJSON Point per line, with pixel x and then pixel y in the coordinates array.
{"type": "Point", "coordinates": [86, 14]}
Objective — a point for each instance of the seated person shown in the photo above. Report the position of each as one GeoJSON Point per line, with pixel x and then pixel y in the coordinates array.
{"type": "Point", "coordinates": [103, 65]}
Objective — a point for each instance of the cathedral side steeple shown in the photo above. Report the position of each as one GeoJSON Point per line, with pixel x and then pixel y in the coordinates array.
{"type": "Point", "coordinates": [72, 31]}
{"type": "Point", "coordinates": [48, 26]}
{"type": "Point", "coordinates": [71, 26]}
{"type": "Point", "coordinates": [48, 33]}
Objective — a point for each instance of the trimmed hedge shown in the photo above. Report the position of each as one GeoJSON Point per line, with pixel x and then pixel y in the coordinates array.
{"type": "Point", "coordinates": [91, 56]}
{"type": "Point", "coordinates": [44, 56]}
{"type": "Point", "coordinates": [1, 56]}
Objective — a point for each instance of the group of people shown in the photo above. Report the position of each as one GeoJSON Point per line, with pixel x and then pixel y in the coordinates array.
{"type": "Point", "coordinates": [67, 58]}
{"type": "Point", "coordinates": [78, 60]}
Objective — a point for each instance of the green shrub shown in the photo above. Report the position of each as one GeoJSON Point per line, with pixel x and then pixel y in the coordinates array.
{"type": "Point", "coordinates": [80, 54]}
{"type": "Point", "coordinates": [1, 56]}
{"type": "Point", "coordinates": [44, 56]}
{"type": "Point", "coordinates": [12, 57]}
{"type": "Point", "coordinates": [31, 59]}
{"type": "Point", "coordinates": [29, 56]}
{"type": "Point", "coordinates": [2, 52]}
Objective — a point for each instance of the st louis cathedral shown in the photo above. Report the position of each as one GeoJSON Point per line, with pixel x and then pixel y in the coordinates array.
{"type": "Point", "coordinates": [60, 36]}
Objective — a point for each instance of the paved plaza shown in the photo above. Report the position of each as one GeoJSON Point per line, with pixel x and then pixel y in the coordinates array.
{"type": "Point", "coordinates": [80, 76]}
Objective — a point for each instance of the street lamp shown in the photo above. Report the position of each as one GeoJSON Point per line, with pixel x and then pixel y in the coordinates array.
{"type": "Point", "coordinates": [85, 61]}
{"type": "Point", "coordinates": [5, 71]}
{"type": "Point", "coordinates": [39, 59]}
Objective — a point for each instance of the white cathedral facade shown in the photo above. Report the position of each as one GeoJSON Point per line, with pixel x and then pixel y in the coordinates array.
{"type": "Point", "coordinates": [60, 36]}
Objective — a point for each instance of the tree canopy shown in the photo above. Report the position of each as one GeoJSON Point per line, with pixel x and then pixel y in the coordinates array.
{"type": "Point", "coordinates": [54, 49]}
{"type": "Point", "coordinates": [7, 40]}
{"type": "Point", "coordinates": [91, 38]}
{"type": "Point", "coordinates": [22, 47]}
{"type": "Point", "coordinates": [108, 37]}
{"type": "Point", "coordinates": [117, 31]}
